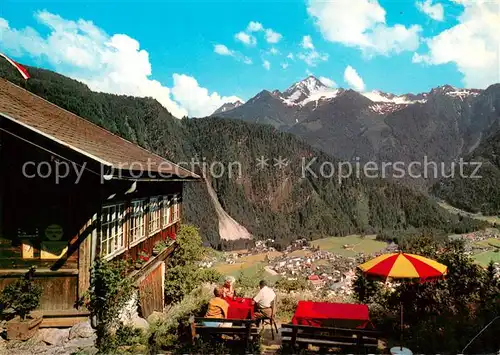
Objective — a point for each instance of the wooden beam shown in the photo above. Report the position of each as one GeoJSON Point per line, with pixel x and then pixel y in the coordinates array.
{"type": "Point", "coordinates": [84, 258]}
{"type": "Point", "coordinates": [63, 322]}
{"type": "Point", "coordinates": [39, 272]}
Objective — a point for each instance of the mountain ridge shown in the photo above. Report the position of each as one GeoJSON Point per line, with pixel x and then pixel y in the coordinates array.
{"type": "Point", "coordinates": [301, 90]}
{"type": "Point", "coordinates": [274, 202]}
{"type": "Point", "coordinates": [442, 125]}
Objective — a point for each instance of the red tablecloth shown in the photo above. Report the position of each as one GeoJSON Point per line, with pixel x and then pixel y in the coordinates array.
{"type": "Point", "coordinates": [331, 314]}
{"type": "Point", "coordinates": [240, 308]}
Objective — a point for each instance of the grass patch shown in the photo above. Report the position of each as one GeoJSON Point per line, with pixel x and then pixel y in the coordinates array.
{"type": "Point", "coordinates": [484, 258]}
{"type": "Point", "coordinates": [300, 253]}
{"type": "Point", "coordinates": [356, 243]}
{"type": "Point", "coordinates": [244, 263]}
{"type": "Point", "coordinates": [489, 242]}
{"type": "Point", "coordinates": [248, 269]}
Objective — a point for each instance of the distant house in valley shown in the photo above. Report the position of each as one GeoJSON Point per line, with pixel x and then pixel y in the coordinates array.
{"type": "Point", "coordinates": [71, 191]}
{"type": "Point", "coordinates": [316, 281]}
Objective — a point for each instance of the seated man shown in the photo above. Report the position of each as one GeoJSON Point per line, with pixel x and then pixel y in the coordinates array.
{"type": "Point", "coordinates": [263, 301]}
{"type": "Point", "coordinates": [228, 287]}
{"type": "Point", "coordinates": [217, 308]}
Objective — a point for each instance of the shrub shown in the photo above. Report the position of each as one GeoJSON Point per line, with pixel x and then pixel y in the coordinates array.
{"type": "Point", "coordinates": [166, 332]}
{"type": "Point", "coordinates": [247, 284]}
{"type": "Point", "coordinates": [184, 274]}
{"type": "Point", "coordinates": [23, 295]}
{"type": "Point", "coordinates": [127, 335]}
{"type": "Point", "coordinates": [109, 292]}
{"type": "Point", "coordinates": [286, 307]}
{"type": "Point", "coordinates": [291, 285]}
{"type": "Point", "coordinates": [364, 288]}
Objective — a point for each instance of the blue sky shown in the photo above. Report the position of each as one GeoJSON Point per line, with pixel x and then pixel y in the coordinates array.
{"type": "Point", "coordinates": [393, 46]}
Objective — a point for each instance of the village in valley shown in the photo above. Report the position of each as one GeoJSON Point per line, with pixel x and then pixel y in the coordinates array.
{"type": "Point", "coordinates": [329, 264]}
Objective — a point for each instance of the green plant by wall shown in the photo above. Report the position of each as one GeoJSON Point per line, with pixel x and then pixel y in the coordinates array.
{"type": "Point", "coordinates": [110, 290]}
{"type": "Point", "coordinates": [184, 273]}
{"type": "Point", "coordinates": [23, 295]}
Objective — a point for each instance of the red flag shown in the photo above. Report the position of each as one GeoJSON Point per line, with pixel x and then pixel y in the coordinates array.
{"type": "Point", "coordinates": [22, 70]}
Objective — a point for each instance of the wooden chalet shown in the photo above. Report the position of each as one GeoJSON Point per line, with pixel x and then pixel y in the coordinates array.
{"type": "Point", "coordinates": [71, 191]}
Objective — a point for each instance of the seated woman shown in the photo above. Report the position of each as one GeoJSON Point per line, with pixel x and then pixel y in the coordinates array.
{"type": "Point", "coordinates": [217, 308]}
{"type": "Point", "coordinates": [228, 287]}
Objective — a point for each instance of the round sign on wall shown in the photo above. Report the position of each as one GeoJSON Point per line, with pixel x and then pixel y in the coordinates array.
{"type": "Point", "coordinates": [54, 232]}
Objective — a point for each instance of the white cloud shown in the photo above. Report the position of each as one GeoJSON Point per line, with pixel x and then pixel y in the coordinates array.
{"type": "Point", "coordinates": [274, 51]}
{"type": "Point", "coordinates": [245, 38]}
{"type": "Point", "coordinates": [254, 26]}
{"type": "Point", "coordinates": [472, 45]}
{"type": "Point", "coordinates": [312, 58]}
{"type": "Point", "coordinates": [362, 24]}
{"type": "Point", "coordinates": [272, 36]}
{"type": "Point", "coordinates": [328, 82]}
{"type": "Point", "coordinates": [107, 63]}
{"type": "Point", "coordinates": [284, 65]}
{"type": "Point", "coordinates": [435, 12]}
{"type": "Point", "coordinates": [196, 99]}
{"type": "Point", "coordinates": [290, 56]}
{"type": "Point", "coordinates": [307, 42]}
{"type": "Point", "coordinates": [222, 50]}
{"type": "Point", "coordinates": [266, 64]}
{"type": "Point", "coordinates": [352, 78]}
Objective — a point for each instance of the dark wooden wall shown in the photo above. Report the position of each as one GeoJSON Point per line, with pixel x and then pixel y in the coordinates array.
{"type": "Point", "coordinates": [28, 205]}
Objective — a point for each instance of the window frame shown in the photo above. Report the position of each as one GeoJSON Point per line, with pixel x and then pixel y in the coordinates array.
{"type": "Point", "coordinates": [154, 213]}
{"type": "Point", "coordinates": [143, 218]}
{"type": "Point", "coordinates": [166, 213]}
{"type": "Point", "coordinates": [115, 227]}
{"type": "Point", "coordinates": [175, 212]}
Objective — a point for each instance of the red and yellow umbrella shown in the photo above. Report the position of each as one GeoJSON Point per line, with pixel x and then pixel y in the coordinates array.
{"type": "Point", "coordinates": [404, 266]}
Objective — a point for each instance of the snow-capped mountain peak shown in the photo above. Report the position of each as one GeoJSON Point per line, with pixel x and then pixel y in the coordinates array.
{"type": "Point", "coordinates": [307, 90]}
{"type": "Point", "coordinates": [381, 97]}
{"type": "Point", "coordinates": [306, 86]}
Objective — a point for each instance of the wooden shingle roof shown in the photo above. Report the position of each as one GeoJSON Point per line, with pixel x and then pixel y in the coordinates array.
{"type": "Point", "coordinates": [80, 135]}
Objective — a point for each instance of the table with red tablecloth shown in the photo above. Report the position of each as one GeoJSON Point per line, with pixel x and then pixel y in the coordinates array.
{"type": "Point", "coordinates": [325, 314]}
{"type": "Point", "coordinates": [240, 308]}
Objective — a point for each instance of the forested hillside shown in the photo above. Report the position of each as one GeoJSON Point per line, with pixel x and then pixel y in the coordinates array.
{"type": "Point", "coordinates": [271, 202]}
{"type": "Point", "coordinates": [476, 195]}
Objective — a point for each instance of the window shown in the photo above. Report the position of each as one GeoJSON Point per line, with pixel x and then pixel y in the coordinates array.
{"type": "Point", "coordinates": [176, 209]}
{"type": "Point", "coordinates": [112, 240]}
{"type": "Point", "coordinates": [166, 211]}
{"type": "Point", "coordinates": [137, 221]}
{"type": "Point", "coordinates": [154, 215]}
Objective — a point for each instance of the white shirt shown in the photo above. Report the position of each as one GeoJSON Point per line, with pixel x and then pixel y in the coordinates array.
{"type": "Point", "coordinates": [265, 296]}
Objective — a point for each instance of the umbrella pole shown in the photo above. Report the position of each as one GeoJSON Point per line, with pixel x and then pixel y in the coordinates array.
{"type": "Point", "coordinates": [401, 335]}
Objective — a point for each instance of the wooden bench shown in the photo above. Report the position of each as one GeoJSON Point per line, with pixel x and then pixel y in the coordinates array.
{"type": "Point", "coordinates": [358, 341]}
{"type": "Point", "coordinates": [245, 331]}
